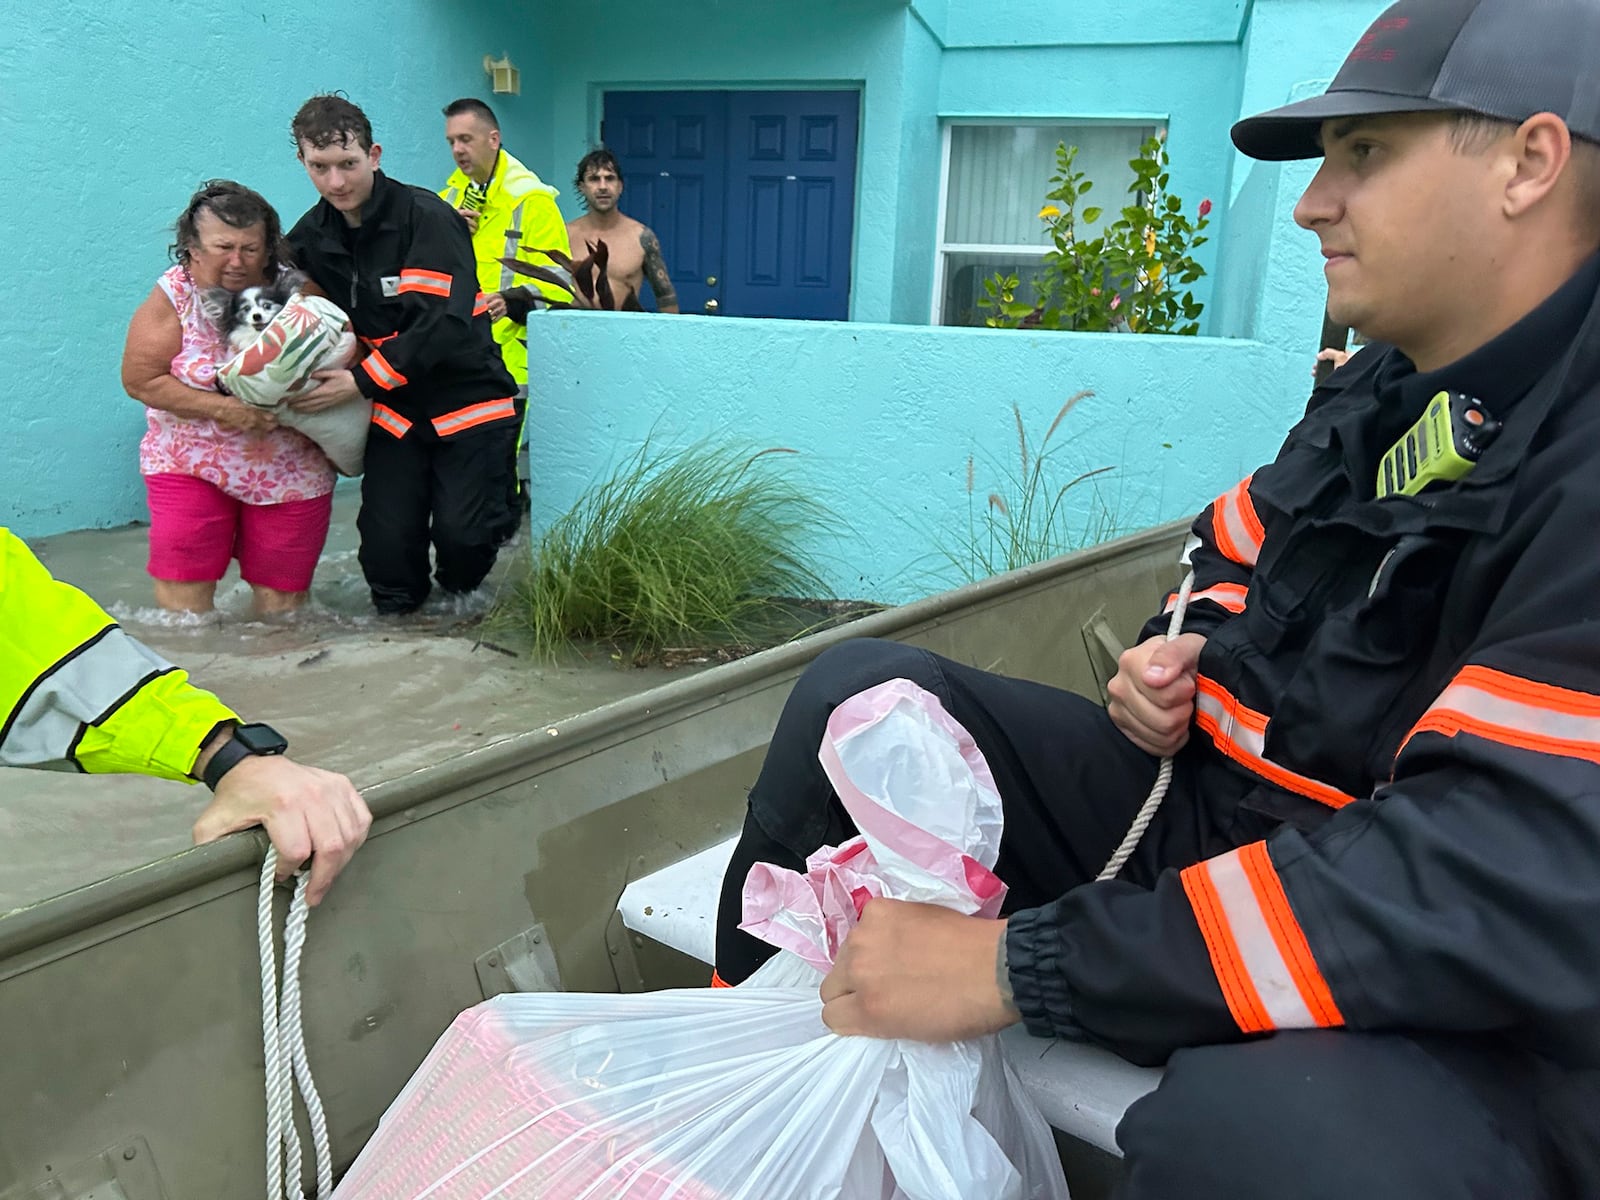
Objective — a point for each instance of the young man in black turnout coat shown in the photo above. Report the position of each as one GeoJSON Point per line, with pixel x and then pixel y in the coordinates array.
{"type": "Point", "coordinates": [440, 454]}
{"type": "Point", "coordinates": [1363, 932]}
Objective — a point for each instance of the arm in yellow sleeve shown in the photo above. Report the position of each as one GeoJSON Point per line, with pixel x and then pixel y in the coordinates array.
{"type": "Point", "coordinates": [77, 691]}
{"type": "Point", "coordinates": [543, 229]}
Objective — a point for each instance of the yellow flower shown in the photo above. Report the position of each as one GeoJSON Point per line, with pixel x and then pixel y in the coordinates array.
{"type": "Point", "coordinates": [1155, 271]}
{"type": "Point", "coordinates": [1150, 241]}
{"type": "Point", "coordinates": [1049, 212]}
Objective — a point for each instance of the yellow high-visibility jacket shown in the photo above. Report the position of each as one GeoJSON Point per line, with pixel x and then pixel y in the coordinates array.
{"type": "Point", "coordinates": [77, 693]}
{"type": "Point", "coordinates": [519, 218]}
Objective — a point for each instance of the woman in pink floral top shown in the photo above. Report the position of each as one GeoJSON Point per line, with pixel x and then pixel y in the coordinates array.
{"type": "Point", "coordinates": [223, 480]}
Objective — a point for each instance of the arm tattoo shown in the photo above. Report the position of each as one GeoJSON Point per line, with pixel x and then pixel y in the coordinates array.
{"type": "Point", "coordinates": [1002, 976]}
{"type": "Point", "coordinates": [655, 269]}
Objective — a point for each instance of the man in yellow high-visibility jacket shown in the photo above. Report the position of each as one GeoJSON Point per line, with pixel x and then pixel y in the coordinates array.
{"type": "Point", "coordinates": [510, 212]}
{"type": "Point", "coordinates": [78, 694]}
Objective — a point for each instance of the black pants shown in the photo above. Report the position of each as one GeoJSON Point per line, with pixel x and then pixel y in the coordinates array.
{"type": "Point", "coordinates": [452, 494]}
{"type": "Point", "coordinates": [1297, 1116]}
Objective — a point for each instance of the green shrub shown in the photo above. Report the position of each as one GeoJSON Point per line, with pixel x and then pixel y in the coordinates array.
{"type": "Point", "coordinates": [677, 547]}
{"type": "Point", "coordinates": [1134, 277]}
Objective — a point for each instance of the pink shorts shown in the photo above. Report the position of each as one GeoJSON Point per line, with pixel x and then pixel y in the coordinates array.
{"type": "Point", "coordinates": [197, 528]}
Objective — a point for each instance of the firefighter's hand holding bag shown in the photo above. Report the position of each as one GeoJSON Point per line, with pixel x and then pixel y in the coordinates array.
{"type": "Point", "coordinates": [743, 1092]}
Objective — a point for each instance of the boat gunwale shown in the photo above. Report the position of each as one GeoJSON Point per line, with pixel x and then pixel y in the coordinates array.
{"type": "Point", "coordinates": [393, 801]}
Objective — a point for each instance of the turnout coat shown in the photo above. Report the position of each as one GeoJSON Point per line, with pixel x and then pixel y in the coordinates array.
{"type": "Point", "coordinates": [1405, 695]}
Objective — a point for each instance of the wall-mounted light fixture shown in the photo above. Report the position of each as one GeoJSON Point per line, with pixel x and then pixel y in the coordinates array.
{"type": "Point", "coordinates": [504, 78]}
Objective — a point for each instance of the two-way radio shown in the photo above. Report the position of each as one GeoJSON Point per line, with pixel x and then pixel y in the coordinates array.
{"type": "Point", "coordinates": [1444, 445]}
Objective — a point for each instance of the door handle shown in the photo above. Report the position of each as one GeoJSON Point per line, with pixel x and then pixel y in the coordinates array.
{"type": "Point", "coordinates": [712, 305]}
{"type": "Point", "coordinates": [711, 281]}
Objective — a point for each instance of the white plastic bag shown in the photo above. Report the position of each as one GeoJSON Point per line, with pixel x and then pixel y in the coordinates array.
{"type": "Point", "coordinates": [743, 1093]}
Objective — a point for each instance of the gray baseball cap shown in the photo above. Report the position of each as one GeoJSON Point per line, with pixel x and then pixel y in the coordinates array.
{"type": "Point", "coordinates": [1502, 58]}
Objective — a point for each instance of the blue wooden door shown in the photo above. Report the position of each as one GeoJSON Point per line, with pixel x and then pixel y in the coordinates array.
{"type": "Point", "coordinates": [791, 203]}
{"type": "Point", "coordinates": [672, 148]}
{"type": "Point", "coordinates": [751, 193]}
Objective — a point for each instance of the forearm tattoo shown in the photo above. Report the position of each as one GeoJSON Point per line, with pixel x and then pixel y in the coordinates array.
{"type": "Point", "coordinates": [655, 270]}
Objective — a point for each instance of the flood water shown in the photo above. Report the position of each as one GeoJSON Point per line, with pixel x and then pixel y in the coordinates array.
{"type": "Point", "coordinates": [373, 697]}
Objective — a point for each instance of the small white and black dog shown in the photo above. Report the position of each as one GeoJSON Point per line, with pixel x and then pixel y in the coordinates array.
{"type": "Point", "coordinates": [241, 316]}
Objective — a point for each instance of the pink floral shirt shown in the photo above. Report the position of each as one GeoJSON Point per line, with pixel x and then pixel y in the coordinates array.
{"type": "Point", "coordinates": [255, 468]}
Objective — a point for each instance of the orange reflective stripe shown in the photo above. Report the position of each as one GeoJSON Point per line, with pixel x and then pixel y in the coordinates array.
{"type": "Point", "coordinates": [383, 374]}
{"type": "Point", "coordinates": [474, 414]}
{"type": "Point", "coordinates": [1231, 596]}
{"type": "Point", "coordinates": [1235, 528]}
{"type": "Point", "coordinates": [1259, 954]}
{"type": "Point", "coordinates": [480, 305]}
{"type": "Point", "coordinates": [1240, 733]}
{"type": "Point", "coordinates": [431, 283]}
{"type": "Point", "coordinates": [1227, 964]}
{"type": "Point", "coordinates": [374, 343]}
{"type": "Point", "coordinates": [1515, 712]}
{"type": "Point", "coordinates": [386, 418]}
{"type": "Point", "coordinates": [716, 981]}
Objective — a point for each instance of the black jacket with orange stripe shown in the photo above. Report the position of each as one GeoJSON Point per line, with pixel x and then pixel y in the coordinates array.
{"type": "Point", "coordinates": [408, 279]}
{"type": "Point", "coordinates": [1407, 693]}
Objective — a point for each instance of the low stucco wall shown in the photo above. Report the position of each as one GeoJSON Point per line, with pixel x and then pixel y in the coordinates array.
{"type": "Point", "coordinates": [885, 417]}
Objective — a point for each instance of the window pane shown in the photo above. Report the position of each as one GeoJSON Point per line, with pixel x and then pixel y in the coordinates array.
{"type": "Point", "coordinates": [1000, 173]}
{"type": "Point", "coordinates": [965, 302]}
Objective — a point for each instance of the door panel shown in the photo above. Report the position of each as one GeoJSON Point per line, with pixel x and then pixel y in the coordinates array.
{"type": "Point", "coordinates": [672, 149]}
{"type": "Point", "coordinates": [752, 190]}
{"type": "Point", "coordinates": [793, 155]}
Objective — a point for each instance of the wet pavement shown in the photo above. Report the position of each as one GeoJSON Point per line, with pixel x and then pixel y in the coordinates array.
{"type": "Point", "coordinates": [373, 697]}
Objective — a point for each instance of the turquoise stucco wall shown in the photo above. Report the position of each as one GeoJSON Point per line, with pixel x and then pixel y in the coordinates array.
{"type": "Point", "coordinates": [885, 417]}
{"type": "Point", "coordinates": [1271, 284]}
{"type": "Point", "coordinates": [763, 43]}
{"type": "Point", "coordinates": [112, 115]}
{"type": "Point", "coordinates": [839, 393]}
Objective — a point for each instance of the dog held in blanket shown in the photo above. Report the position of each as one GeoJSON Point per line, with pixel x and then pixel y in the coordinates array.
{"type": "Point", "coordinates": [273, 355]}
{"type": "Point", "coordinates": [242, 316]}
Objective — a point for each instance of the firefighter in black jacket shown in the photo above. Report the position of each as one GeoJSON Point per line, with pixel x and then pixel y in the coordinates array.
{"type": "Point", "coordinates": [1363, 932]}
{"type": "Point", "coordinates": [441, 455]}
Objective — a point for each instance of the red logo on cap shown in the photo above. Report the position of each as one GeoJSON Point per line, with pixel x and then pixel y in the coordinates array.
{"type": "Point", "coordinates": [1367, 49]}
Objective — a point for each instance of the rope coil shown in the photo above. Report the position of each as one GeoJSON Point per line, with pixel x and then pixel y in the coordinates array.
{"type": "Point", "coordinates": [283, 1045]}
{"type": "Point", "coordinates": [1158, 790]}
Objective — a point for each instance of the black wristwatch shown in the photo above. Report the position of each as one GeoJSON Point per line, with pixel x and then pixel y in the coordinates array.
{"type": "Point", "coordinates": [248, 741]}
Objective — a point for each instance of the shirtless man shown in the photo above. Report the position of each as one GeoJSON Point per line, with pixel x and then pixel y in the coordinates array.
{"type": "Point", "coordinates": [635, 252]}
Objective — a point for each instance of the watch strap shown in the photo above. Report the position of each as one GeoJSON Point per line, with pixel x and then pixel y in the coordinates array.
{"type": "Point", "coordinates": [228, 755]}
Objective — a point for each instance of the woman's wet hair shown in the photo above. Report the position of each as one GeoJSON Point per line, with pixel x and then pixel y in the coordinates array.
{"type": "Point", "coordinates": [234, 205]}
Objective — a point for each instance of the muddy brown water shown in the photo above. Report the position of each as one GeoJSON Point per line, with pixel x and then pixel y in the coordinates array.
{"type": "Point", "coordinates": [373, 697]}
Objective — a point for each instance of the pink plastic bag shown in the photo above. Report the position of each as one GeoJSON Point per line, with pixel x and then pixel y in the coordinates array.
{"type": "Point", "coordinates": [742, 1093]}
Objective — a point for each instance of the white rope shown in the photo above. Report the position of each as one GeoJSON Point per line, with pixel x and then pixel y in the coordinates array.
{"type": "Point", "coordinates": [283, 1046]}
{"type": "Point", "coordinates": [1158, 790]}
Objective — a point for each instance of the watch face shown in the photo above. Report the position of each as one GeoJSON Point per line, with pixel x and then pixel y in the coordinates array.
{"type": "Point", "coordinates": [260, 739]}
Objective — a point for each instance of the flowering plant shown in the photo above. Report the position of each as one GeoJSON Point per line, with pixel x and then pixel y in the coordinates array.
{"type": "Point", "coordinates": [1134, 276]}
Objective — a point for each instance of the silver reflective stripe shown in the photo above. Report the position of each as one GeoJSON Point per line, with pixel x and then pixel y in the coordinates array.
{"type": "Point", "coordinates": [450, 195]}
{"type": "Point", "coordinates": [1228, 522]}
{"type": "Point", "coordinates": [1516, 722]}
{"type": "Point", "coordinates": [508, 277]}
{"type": "Point", "coordinates": [1263, 962]}
{"type": "Point", "coordinates": [1214, 708]}
{"type": "Point", "coordinates": [80, 691]}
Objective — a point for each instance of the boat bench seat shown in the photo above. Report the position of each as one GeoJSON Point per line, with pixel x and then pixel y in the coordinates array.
{"type": "Point", "coordinates": [1081, 1090]}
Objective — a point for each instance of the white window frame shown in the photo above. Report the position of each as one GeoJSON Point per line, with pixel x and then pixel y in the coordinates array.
{"type": "Point", "coordinates": [942, 249]}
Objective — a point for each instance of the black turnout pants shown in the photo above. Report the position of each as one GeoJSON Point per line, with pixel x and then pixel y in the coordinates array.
{"type": "Point", "coordinates": [453, 494]}
{"type": "Point", "coordinates": [1296, 1116]}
